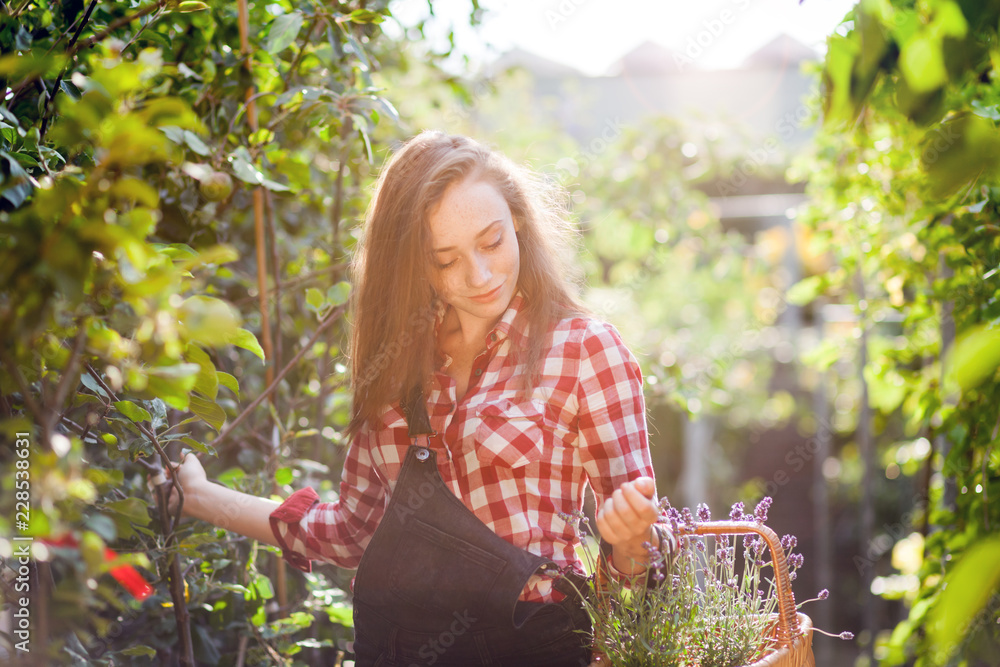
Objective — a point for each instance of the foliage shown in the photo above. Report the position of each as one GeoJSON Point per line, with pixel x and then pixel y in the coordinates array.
{"type": "Point", "coordinates": [905, 197]}
{"type": "Point", "coordinates": [701, 605]}
{"type": "Point", "coordinates": [140, 148]}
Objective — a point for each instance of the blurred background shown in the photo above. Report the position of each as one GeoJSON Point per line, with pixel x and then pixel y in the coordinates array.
{"type": "Point", "coordinates": [788, 209]}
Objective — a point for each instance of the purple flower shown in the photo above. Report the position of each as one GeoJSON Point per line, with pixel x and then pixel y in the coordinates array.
{"type": "Point", "coordinates": [703, 512]}
{"type": "Point", "coordinates": [789, 542]}
{"type": "Point", "coordinates": [736, 513]}
{"type": "Point", "coordinates": [760, 512]}
{"type": "Point", "coordinates": [686, 517]}
{"type": "Point", "coordinates": [823, 594]}
{"type": "Point", "coordinates": [795, 561]}
{"type": "Point", "coordinates": [846, 635]}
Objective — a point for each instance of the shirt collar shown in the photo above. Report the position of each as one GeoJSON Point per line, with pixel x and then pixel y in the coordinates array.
{"type": "Point", "coordinates": [512, 324]}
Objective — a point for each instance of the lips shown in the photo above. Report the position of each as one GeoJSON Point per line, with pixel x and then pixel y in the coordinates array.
{"type": "Point", "coordinates": [489, 296]}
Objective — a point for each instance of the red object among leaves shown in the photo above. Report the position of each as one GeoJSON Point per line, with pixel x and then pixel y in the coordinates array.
{"type": "Point", "coordinates": [126, 575]}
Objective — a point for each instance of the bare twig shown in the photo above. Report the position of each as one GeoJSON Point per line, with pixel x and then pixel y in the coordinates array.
{"type": "Point", "coordinates": [114, 25]}
{"type": "Point", "coordinates": [15, 372]}
{"type": "Point", "coordinates": [71, 377]}
{"type": "Point", "coordinates": [277, 290]}
{"type": "Point", "coordinates": [168, 524]}
{"type": "Point", "coordinates": [326, 322]}
{"type": "Point", "coordinates": [176, 577]}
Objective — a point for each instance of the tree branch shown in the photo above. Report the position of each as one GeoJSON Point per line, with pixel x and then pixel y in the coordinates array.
{"type": "Point", "coordinates": [323, 325]}
{"type": "Point", "coordinates": [15, 372]}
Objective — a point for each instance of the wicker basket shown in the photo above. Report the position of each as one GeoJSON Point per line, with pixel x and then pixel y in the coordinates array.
{"type": "Point", "coordinates": [791, 633]}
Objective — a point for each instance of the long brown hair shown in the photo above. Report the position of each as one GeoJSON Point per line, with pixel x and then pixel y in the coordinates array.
{"type": "Point", "coordinates": [392, 343]}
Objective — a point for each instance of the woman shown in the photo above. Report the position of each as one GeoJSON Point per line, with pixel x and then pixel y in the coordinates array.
{"type": "Point", "coordinates": [485, 400]}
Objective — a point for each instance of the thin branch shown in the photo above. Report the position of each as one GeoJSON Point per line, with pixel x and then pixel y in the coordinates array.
{"type": "Point", "coordinates": [176, 580]}
{"type": "Point", "coordinates": [298, 56]}
{"type": "Point", "coordinates": [164, 459]}
{"type": "Point", "coordinates": [15, 372]}
{"type": "Point", "coordinates": [326, 322]}
{"type": "Point", "coordinates": [50, 98]}
{"type": "Point", "coordinates": [275, 272]}
{"type": "Point", "coordinates": [114, 25]}
{"type": "Point", "coordinates": [71, 376]}
{"type": "Point", "coordinates": [162, 491]}
{"type": "Point", "coordinates": [276, 291]}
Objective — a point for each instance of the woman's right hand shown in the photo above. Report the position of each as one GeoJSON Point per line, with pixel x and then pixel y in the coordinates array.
{"type": "Point", "coordinates": [192, 477]}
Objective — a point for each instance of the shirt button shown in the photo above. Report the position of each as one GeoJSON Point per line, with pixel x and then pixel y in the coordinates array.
{"type": "Point", "coordinates": [493, 337]}
{"type": "Point", "coordinates": [479, 371]}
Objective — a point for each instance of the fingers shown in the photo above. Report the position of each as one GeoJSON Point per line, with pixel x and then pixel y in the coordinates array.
{"type": "Point", "coordinates": [628, 512]}
{"type": "Point", "coordinates": [646, 486]}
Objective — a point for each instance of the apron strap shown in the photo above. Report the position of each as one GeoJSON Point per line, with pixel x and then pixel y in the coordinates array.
{"type": "Point", "coordinates": [415, 411]}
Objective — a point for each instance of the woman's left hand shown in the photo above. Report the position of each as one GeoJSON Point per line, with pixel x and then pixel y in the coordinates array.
{"type": "Point", "coordinates": [626, 517]}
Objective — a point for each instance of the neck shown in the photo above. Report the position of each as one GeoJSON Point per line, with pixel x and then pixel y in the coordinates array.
{"type": "Point", "coordinates": [472, 331]}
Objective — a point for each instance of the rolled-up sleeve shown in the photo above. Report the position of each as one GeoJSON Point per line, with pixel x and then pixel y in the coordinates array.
{"type": "Point", "coordinates": [613, 442]}
{"type": "Point", "coordinates": [335, 532]}
{"type": "Point", "coordinates": [613, 436]}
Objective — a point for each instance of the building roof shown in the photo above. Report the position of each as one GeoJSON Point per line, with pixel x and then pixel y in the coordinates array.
{"type": "Point", "coordinates": [648, 59]}
{"type": "Point", "coordinates": [781, 51]}
{"type": "Point", "coordinates": [532, 62]}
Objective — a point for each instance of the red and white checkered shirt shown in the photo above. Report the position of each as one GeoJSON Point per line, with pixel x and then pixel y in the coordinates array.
{"type": "Point", "coordinates": [516, 463]}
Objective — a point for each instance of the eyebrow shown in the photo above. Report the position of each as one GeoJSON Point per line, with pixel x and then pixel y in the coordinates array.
{"type": "Point", "coordinates": [484, 232]}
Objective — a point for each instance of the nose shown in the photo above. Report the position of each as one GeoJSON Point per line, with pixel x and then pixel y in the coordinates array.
{"type": "Point", "coordinates": [479, 274]}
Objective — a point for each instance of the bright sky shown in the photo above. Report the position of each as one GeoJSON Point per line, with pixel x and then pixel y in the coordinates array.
{"type": "Point", "coordinates": [590, 35]}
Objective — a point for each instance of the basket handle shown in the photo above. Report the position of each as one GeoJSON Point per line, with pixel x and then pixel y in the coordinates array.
{"type": "Point", "coordinates": [788, 620]}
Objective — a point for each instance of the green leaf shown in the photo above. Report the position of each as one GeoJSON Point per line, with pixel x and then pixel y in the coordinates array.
{"type": "Point", "coordinates": [339, 293]}
{"type": "Point", "coordinates": [974, 357]}
{"type": "Point", "coordinates": [208, 380]}
{"type": "Point", "coordinates": [283, 476]}
{"type": "Point", "coordinates": [341, 613]}
{"type": "Point", "coordinates": [837, 101]}
{"type": "Point", "coordinates": [246, 340]}
{"type": "Point", "coordinates": [199, 446]}
{"type": "Point", "coordinates": [208, 320]}
{"type": "Point", "coordinates": [91, 384]}
{"type": "Point", "coordinates": [259, 617]}
{"type": "Point", "coordinates": [805, 291]}
{"type": "Point", "coordinates": [284, 30]}
{"type": "Point", "coordinates": [229, 382]}
{"type": "Point", "coordinates": [172, 383]}
{"type": "Point", "coordinates": [188, 6]}
{"type": "Point", "coordinates": [921, 60]}
{"type": "Point", "coordinates": [208, 410]}
{"type": "Point", "coordinates": [140, 651]}
{"type": "Point", "coordinates": [967, 588]}
{"type": "Point", "coordinates": [195, 143]}
{"type": "Point", "coordinates": [132, 411]}
{"type": "Point", "coordinates": [365, 16]}
{"type": "Point", "coordinates": [134, 509]}
{"type": "Point", "coordinates": [314, 299]}
{"type": "Point", "coordinates": [231, 476]}
{"type": "Point", "coordinates": [264, 588]}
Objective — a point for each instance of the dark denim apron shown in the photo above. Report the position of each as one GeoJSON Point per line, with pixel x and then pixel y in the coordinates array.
{"type": "Point", "coordinates": [437, 587]}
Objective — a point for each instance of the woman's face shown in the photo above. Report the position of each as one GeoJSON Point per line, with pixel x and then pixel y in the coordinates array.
{"type": "Point", "coordinates": [474, 252]}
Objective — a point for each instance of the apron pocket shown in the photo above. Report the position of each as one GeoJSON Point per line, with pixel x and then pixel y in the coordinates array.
{"type": "Point", "coordinates": [440, 572]}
